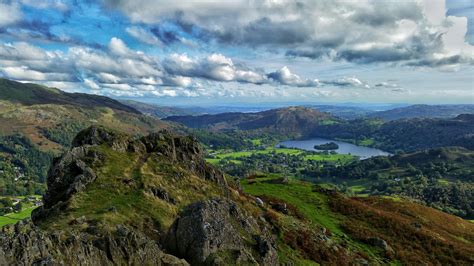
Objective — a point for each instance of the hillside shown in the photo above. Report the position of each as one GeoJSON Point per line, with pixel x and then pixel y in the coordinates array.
{"type": "Point", "coordinates": [345, 112]}
{"type": "Point", "coordinates": [295, 121]}
{"type": "Point", "coordinates": [442, 178]}
{"type": "Point", "coordinates": [159, 110]}
{"type": "Point", "coordinates": [117, 199]}
{"type": "Point", "coordinates": [38, 123]}
{"type": "Point", "coordinates": [404, 135]}
{"type": "Point", "coordinates": [31, 94]}
{"type": "Point", "coordinates": [424, 111]}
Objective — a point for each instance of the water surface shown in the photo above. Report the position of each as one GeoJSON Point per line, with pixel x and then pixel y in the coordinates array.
{"type": "Point", "coordinates": [344, 147]}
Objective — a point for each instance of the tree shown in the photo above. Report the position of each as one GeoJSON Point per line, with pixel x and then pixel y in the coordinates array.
{"type": "Point", "coordinates": [18, 207]}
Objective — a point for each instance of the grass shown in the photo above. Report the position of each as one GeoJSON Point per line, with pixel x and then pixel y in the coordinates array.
{"type": "Point", "coordinates": [317, 157]}
{"type": "Point", "coordinates": [298, 193]}
{"type": "Point", "coordinates": [443, 181]}
{"type": "Point", "coordinates": [354, 220]}
{"type": "Point", "coordinates": [366, 142]}
{"type": "Point", "coordinates": [330, 157]}
{"type": "Point", "coordinates": [357, 189]}
{"type": "Point", "coordinates": [256, 142]}
{"type": "Point", "coordinates": [313, 205]}
{"type": "Point", "coordinates": [122, 192]}
{"type": "Point", "coordinates": [13, 218]}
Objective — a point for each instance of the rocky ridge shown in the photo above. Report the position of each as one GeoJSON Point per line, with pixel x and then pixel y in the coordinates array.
{"type": "Point", "coordinates": [213, 230]}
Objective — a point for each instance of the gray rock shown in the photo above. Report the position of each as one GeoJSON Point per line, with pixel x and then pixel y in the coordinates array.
{"type": "Point", "coordinates": [259, 201]}
{"type": "Point", "coordinates": [378, 242]}
{"type": "Point", "coordinates": [217, 232]}
{"type": "Point", "coordinates": [25, 244]}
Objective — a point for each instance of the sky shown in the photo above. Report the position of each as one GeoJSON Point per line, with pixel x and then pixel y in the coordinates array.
{"type": "Point", "coordinates": [244, 51]}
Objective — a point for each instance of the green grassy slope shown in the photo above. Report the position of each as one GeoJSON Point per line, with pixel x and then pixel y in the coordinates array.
{"type": "Point", "coordinates": [417, 234]}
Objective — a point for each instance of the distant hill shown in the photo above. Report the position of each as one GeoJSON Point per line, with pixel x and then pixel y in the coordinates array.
{"type": "Point", "coordinates": [288, 121]}
{"type": "Point", "coordinates": [424, 111]}
{"type": "Point", "coordinates": [442, 178]}
{"type": "Point", "coordinates": [160, 111]}
{"type": "Point", "coordinates": [405, 134]}
{"type": "Point", "coordinates": [30, 94]}
{"type": "Point", "coordinates": [37, 123]}
{"type": "Point", "coordinates": [345, 112]}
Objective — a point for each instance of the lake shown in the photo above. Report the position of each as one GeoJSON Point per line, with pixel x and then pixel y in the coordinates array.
{"type": "Point", "coordinates": [344, 147]}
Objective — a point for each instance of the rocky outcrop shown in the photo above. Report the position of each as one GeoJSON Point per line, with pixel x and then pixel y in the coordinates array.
{"type": "Point", "coordinates": [68, 175]}
{"type": "Point", "coordinates": [207, 232]}
{"type": "Point", "coordinates": [217, 232]}
{"type": "Point", "coordinates": [72, 172]}
{"type": "Point", "coordinates": [26, 244]}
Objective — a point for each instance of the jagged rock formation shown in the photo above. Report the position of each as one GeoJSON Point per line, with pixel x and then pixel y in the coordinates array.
{"type": "Point", "coordinates": [103, 209]}
{"type": "Point", "coordinates": [26, 244]}
{"type": "Point", "coordinates": [207, 229]}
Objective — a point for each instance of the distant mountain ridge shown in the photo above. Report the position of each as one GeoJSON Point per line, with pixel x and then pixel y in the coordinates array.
{"type": "Point", "coordinates": [424, 111]}
{"type": "Point", "coordinates": [295, 120]}
{"type": "Point", "coordinates": [159, 111]}
{"type": "Point", "coordinates": [30, 94]}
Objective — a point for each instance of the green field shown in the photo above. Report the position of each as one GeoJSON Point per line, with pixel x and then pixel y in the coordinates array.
{"type": "Point", "coordinates": [219, 155]}
{"type": "Point", "coordinates": [13, 218]}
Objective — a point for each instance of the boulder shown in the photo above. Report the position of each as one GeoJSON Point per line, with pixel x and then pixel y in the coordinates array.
{"type": "Point", "coordinates": [217, 232]}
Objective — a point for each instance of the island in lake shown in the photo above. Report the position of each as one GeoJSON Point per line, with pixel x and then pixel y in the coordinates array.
{"type": "Point", "coordinates": [327, 146]}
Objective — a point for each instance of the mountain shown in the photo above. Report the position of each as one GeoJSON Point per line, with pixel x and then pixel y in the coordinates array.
{"type": "Point", "coordinates": [424, 111]}
{"type": "Point", "coordinates": [158, 110]}
{"type": "Point", "coordinates": [116, 199]}
{"type": "Point", "coordinates": [295, 121]}
{"type": "Point", "coordinates": [345, 112]}
{"type": "Point", "coordinates": [32, 94]}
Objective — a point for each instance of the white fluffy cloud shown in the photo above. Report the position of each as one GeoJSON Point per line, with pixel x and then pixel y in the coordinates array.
{"type": "Point", "coordinates": [120, 70]}
{"type": "Point", "coordinates": [9, 13]}
{"type": "Point", "coordinates": [284, 76]}
{"type": "Point", "coordinates": [214, 67]}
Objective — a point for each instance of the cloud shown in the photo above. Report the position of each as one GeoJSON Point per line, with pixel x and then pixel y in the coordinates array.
{"type": "Point", "coordinates": [9, 13]}
{"type": "Point", "coordinates": [361, 32]}
{"type": "Point", "coordinates": [143, 35]}
{"type": "Point", "coordinates": [386, 84]}
{"type": "Point", "coordinates": [285, 77]}
{"type": "Point", "coordinates": [120, 68]}
{"type": "Point", "coordinates": [47, 4]}
{"type": "Point", "coordinates": [215, 67]}
{"type": "Point", "coordinates": [91, 84]}
{"type": "Point", "coordinates": [21, 51]}
{"type": "Point", "coordinates": [23, 73]}
{"type": "Point", "coordinates": [347, 82]}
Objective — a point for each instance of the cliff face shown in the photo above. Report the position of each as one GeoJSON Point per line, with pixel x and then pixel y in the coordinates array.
{"type": "Point", "coordinates": [115, 199]}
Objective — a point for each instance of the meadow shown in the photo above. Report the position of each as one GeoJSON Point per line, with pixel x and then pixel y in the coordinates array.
{"type": "Point", "coordinates": [217, 155]}
{"type": "Point", "coordinates": [13, 218]}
